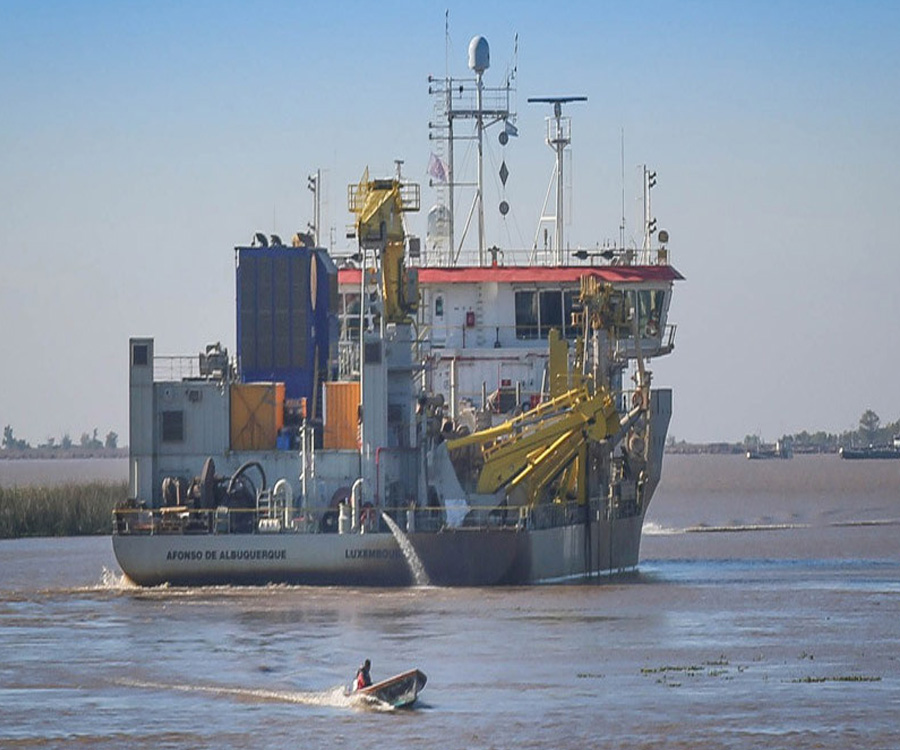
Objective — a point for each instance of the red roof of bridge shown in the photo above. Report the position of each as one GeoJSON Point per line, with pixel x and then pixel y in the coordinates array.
{"type": "Point", "coordinates": [532, 274]}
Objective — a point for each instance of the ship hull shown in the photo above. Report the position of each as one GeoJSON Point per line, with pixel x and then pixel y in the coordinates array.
{"type": "Point", "coordinates": [452, 557]}
{"type": "Point", "coordinates": [861, 454]}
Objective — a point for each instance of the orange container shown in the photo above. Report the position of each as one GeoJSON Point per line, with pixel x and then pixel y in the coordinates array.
{"type": "Point", "coordinates": [341, 429]}
{"type": "Point", "coordinates": [257, 414]}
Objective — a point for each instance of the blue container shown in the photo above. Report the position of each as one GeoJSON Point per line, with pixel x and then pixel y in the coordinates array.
{"type": "Point", "coordinates": [275, 337]}
{"type": "Point", "coordinates": [286, 312]}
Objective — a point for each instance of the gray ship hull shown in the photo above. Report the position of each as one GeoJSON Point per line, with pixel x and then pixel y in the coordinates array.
{"type": "Point", "coordinates": [452, 557]}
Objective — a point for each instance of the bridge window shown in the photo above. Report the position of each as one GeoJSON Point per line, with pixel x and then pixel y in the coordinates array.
{"type": "Point", "coordinates": [526, 315]}
{"type": "Point", "coordinates": [172, 426]}
{"type": "Point", "coordinates": [650, 304]}
{"type": "Point", "coordinates": [538, 312]}
{"type": "Point", "coordinates": [140, 355]}
{"type": "Point", "coordinates": [551, 312]}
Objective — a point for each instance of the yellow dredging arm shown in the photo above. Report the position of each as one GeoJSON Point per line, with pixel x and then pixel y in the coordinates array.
{"type": "Point", "coordinates": [543, 453]}
{"type": "Point", "coordinates": [527, 454]}
{"type": "Point", "coordinates": [379, 206]}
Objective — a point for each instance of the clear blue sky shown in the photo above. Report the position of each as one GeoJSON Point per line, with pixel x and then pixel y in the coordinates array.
{"type": "Point", "coordinates": [141, 141]}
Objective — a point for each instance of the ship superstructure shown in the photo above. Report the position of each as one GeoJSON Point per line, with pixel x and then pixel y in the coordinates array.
{"type": "Point", "coordinates": [497, 417]}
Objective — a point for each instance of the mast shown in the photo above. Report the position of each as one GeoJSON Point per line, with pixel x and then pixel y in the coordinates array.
{"type": "Point", "coordinates": [448, 106]}
{"type": "Point", "coordinates": [474, 63]}
{"type": "Point", "coordinates": [559, 135]}
{"type": "Point", "coordinates": [622, 184]}
{"type": "Point", "coordinates": [457, 98]}
{"type": "Point", "coordinates": [314, 183]}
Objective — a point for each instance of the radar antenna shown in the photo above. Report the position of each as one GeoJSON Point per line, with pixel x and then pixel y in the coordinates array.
{"type": "Point", "coordinates": [559, 135]}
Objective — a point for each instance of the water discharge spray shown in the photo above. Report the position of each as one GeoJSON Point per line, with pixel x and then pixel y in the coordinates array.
{"type": "Point", "coordinates": [409, 552]}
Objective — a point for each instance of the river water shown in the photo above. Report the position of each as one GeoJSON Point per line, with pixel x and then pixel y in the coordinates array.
{"type": "Point", "coordinates": [764, 614]}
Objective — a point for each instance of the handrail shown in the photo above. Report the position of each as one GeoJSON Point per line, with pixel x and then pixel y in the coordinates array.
{"type": "Point", "coordinates": [499, 337]}
{"type": "Point", "coordinates": [181, 520]}
{"type": "Point", "coordinates": [177, 367]}
{"type": "Point", "coordinates": [593, 259]}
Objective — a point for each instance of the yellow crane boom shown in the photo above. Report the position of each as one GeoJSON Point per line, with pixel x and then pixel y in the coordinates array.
{"type": "Point", "coordinates": [525, 453]}
{"type": "Point", "coordinates": [379, 206]}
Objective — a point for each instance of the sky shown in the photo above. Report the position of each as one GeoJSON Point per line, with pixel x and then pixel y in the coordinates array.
{"type": "Point", "coordinates": [141, 141]}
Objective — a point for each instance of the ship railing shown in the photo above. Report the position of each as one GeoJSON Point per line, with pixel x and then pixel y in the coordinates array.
{"type": "Point", "coordinates": [459, 98]}
{"type": "Point", "coordinates": [469, 334]}
{"type": "Point", "coordinates": [181, 520]}
{"type": "Point", "coordinates": [596, 258]}
{"type": "Point", "coordinates": [222, 520]}
{"type": "Point", "coordinates": [517, 517]}
{"type": "Point", "coordinates": [490, 341]}
{"type": "Point", "coordinates": [166, 368]}
{"type": "Point", "coordinates": [527, 336]}
{"type": "Point", "coordinates": [348, 359]}
{"type": "Point", "coordinates": [656, 346]}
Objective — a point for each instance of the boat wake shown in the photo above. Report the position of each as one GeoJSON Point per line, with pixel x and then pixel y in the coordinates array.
{"type": "Point", "coordinates": [110, 581]}
{"type": "Point", "coordinates": [737, 528]}
{"type": "Point", "coordinates": [651, 528]}
{"type": "Point", "coordinates": [746, 527]}
{"type": "Point", "coordinates": [873, 522]}
{"type": "Point", "coordinates": [335, 697]}
{"type": "Point", "coordinates": [113, 580]}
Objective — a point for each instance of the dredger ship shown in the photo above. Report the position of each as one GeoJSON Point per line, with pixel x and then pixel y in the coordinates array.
{"type": "Point", "coordinates": [397, 415]}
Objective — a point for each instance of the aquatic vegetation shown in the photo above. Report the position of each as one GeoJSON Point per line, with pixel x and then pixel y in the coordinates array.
{"type": "Point", "coordinates": [719, 667]}
{"type": "Point", "coordinates": [63, 510]}
{"type": "Point", "coordinates": [668, 668]}
{"type": "Point", "coordinates": [839, 678]}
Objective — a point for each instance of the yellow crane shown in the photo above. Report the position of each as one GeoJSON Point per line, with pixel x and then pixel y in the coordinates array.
{"type": "Point", "coordinates": [525, 455]}
{"type": "Point", "coordinates": [379, 206]}
{"type": "Point", "coordinates": [543, 453]}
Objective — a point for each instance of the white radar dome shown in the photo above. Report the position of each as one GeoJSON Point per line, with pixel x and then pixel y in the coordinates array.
{"type": "Point", "coordinates": [479, 54]}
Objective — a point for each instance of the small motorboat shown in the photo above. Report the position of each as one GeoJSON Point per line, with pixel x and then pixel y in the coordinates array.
{"type": "Point", "coordinates": [398, 691]}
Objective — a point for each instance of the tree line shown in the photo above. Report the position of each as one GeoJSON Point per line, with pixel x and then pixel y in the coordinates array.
{"type": "Point", "coordinates": [88, 441]}
{"type": "Point", "coordinates": [869, 432]}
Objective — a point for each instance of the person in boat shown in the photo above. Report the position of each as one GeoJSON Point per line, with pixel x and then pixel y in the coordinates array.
{"type": "Point", "coordinates": [363, 679]}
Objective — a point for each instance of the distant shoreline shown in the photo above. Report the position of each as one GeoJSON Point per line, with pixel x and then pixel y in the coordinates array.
{"type": "Point", "coordinates": [77, 452]}
{"type": "Point", "coordinates": [737, 449]}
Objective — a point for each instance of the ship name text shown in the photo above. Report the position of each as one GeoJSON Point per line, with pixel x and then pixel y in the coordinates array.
{"type": "Point", "coordinates": [226, 554]}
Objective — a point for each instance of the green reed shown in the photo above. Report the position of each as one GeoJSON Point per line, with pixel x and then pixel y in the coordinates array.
{"type": "Point", "coordinates": [63, 510]}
